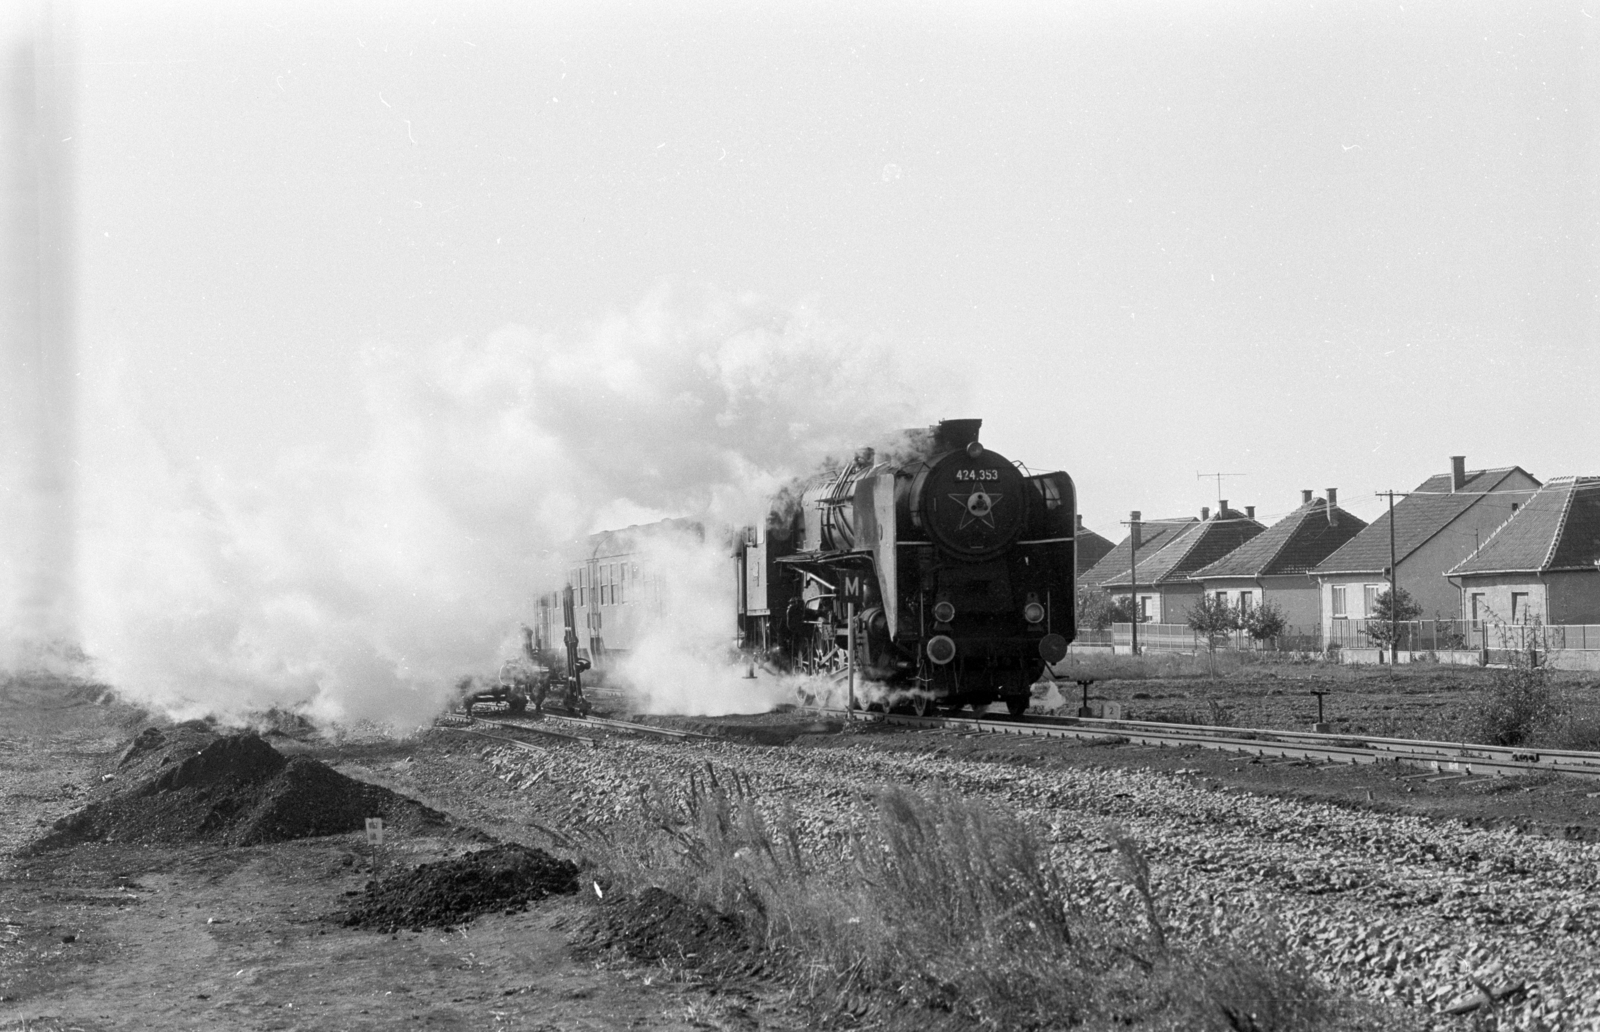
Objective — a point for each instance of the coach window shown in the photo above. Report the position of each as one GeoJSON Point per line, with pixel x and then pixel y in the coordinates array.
{"type": "Point", "coordinates": [1338, 604]}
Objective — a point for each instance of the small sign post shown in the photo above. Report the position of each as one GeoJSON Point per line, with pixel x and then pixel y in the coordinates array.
{"type": "Point", "coordinates": [853, 594]}
{"type": "Point", "coordinates": [375, 840]}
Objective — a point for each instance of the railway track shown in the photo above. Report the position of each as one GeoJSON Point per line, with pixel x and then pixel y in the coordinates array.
{"type": "Point", "coordinates": [535, 725]}
{"type": "Point", "coordinates": [1456, 761]}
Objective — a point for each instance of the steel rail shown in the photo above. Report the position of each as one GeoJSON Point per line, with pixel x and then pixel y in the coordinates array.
{"type": "Point", "coordinates": [1445, 759]}
{"type": "Point", "coordinates": [601, 722]}
{"type": "Point", "coordinates": [455, 724]}
{"type": "Point", "coordinates": [506, 738]}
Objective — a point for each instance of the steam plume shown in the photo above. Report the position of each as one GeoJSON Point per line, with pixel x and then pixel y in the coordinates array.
{"type": "Point", "coordinates": [364, 588]}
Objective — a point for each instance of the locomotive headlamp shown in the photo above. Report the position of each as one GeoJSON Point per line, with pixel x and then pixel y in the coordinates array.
{"type": "Point", "coordinates": [941, 649]}
{"type": "Point", "coordinates": [943, 611]}
{"type": "Point", "coordinates": [1033, 612]}
{"type": "Point", "coordinates": [974, 450]}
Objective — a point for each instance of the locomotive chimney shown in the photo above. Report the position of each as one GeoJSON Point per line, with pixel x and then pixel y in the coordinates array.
{"type": "Point", "coordinates": [1305, 496]}
{"type": "Point", "coordinates": [864, 457]}
{"type": "Point", "coordinates": [1133, 525]}
{"type": "Point", "coordinates": [954, 434]}
{"type": "Point", "coordinates": [1458, 472]}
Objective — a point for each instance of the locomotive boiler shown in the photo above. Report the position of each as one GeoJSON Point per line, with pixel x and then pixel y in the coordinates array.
{"type": "Point", "coordinates": [955, 565]}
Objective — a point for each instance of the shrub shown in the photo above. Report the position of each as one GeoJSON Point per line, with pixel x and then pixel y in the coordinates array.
{"type": "Point", "coordinates": [1381, 623]}
{"type": "Point", "coordinates": [1097, 610]}
{"type": "Point", "coordinates": [1519, 705]}
{"type": "Point", "coordinates": [1264, 622]}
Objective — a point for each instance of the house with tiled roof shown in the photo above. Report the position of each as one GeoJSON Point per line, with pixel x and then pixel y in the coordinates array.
{"type": "Point", "coordinates": [1091, 548]}
{"type": "Point", "coordinates": [1275, 565]}
{"type": "Point", "coordinates": [1543, 564]}
{"type": "Point", "coordinates": [1436, 525]}
{"type": "Point", "coordinates": [1160, 582]}
{"type": "Point", "coordinates": [1146, 537]}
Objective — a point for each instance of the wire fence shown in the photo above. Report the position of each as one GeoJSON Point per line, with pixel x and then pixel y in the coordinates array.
{"type": "Point", "coordinates": [1162, 637]}
{"type": "Point", "coordinates": [1414, 636]}
{"type": "Point", "coordinates": [1473, 635]}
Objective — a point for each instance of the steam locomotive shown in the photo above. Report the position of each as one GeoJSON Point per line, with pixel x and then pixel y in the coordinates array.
{"type": "Point", "coordinates": [945, 574]}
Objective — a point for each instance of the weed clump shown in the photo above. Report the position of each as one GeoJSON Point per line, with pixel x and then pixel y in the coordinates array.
{"type": "Point", "coordinates": [1525, 705]}
{"type": "Point", "coordinates": [1519, 705]}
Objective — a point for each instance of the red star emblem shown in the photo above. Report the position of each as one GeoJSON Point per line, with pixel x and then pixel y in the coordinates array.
{"type": "Point", "coordinates": [979, 507]}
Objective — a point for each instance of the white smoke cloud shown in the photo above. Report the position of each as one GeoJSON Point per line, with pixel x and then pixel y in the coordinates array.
{"type": "Point", "coordinates": [362, 588]}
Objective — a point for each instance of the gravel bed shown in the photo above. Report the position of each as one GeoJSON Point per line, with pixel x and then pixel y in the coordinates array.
{"type": "Point", "coordinates": [1417, 911]}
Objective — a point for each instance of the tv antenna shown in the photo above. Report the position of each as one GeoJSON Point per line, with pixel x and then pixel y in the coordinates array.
{"type": "Point", "coordinates": [1218, 477]}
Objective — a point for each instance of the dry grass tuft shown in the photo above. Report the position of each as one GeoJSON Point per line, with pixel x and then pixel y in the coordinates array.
{"type": "Point", "coordinates": [938, 909]}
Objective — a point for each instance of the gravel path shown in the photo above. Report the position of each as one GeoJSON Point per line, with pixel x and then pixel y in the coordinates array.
{"type": "Point", "coordinates": [1400, 908]}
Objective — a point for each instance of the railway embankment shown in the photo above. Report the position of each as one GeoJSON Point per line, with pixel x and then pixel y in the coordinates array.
{"type": "Point", "coordinates": [1422, 911]}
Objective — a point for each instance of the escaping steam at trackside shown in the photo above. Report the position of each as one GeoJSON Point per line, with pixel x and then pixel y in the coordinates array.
{"type": "Point", "coordinates": [365, 587]}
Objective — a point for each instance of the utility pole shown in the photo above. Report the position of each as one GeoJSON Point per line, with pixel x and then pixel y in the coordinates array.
{"type": "Point", "coordinates": [1133, 576]}
{"type": "Point", "coordinates": [1394, 598]}
{"type": "Point", "coordinates": [1218, 477]}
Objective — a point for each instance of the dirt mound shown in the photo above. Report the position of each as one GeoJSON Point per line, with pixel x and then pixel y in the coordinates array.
{"type": "Point", "coordinates": [188, 784]}
{"type": "Point", "coordinates": [450, 892]}
{"type": "Point", "coordinates": [656, 925]}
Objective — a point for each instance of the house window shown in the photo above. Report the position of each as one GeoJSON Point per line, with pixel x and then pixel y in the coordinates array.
{"type": "Point", "coordinates": [1369, 598]}
{"type": "Point", "coordinates": [1338, 604]}
{"type": "Point", "coordinates": [1221, 597]}
{"type": "Point", "coordinates": [1519, 606]}
{"type": "Point", "coordinates": [1246, 601]}
{"type": "Point", "coordinates": [1478, 606]}
{"type": "Point", "coordinates": [1144, 609]}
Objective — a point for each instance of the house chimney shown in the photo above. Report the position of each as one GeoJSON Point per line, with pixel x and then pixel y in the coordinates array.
{"type": "Point", "coordinates": [1458, 472]}
{"type": "Point", "coordinates": [1305, 497]}
{"type": "Point", "coordinates": [1078, 523]}
{"type": "Point", "coordinates": [1133, 527]}
{"type": "Point", "coordinates": [1205, 512]}
{"type": "Point", "coordinates": [1333, 497]}
{"type": "Point", "coordinates": [1250, 511]}
{"type": "Point", "coordinates": [1222, 507]}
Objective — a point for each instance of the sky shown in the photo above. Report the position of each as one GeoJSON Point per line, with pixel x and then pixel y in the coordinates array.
{"type": "Point", "coordinates": [1307, 245]}
{"type": "Point", "coordinates": [1313, 244]}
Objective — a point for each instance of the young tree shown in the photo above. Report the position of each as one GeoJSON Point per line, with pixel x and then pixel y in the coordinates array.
{"type": "Point", "coordinates": [1264, 622]}
{"type": "Point", "coordinates": [1215, 619]}
{"type": "Point", "coordinates": [1384, 616]}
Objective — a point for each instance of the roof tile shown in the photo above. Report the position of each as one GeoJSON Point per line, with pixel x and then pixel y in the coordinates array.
{"type": "Point", "coordinates": [1418, 516]}
{"type": "Point", "coordinates": [1294, 544]}
{"type": "Point", "coordinates": [1558, 528]}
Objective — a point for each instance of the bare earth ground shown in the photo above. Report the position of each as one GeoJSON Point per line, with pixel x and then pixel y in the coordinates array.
{"type": "Point", "coordinates": [115, 936]}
